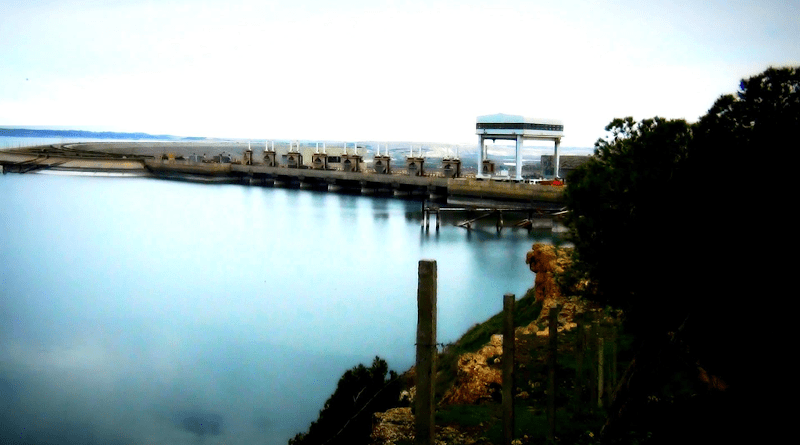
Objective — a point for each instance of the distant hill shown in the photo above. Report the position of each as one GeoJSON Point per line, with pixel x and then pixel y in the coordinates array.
{"type": "Point", "coordinates": [82, 134]}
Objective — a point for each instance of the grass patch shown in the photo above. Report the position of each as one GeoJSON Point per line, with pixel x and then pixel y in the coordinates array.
{"type": "Point", "coordinates": [526, 309]}
{"type": "Point", "coordinates": [578, 417]}
{"type": "Point", "coordinates": [467, 415]}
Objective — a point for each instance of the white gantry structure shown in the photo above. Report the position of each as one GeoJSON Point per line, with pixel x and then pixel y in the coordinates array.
{"type": "Point", "coordinates": [516, 128]}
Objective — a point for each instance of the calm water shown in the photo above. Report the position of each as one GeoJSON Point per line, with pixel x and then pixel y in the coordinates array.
{"type": "Point", "coordinates": [129, 305]}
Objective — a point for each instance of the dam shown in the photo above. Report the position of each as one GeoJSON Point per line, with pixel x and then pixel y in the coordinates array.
{"type": "Point", "coordinates": [346, 172]}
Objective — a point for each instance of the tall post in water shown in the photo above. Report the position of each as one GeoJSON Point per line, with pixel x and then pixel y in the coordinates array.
{"type": "Point", "coordinates": [508, 368]}
{"type": "Point", "coordinates": [426, 353]}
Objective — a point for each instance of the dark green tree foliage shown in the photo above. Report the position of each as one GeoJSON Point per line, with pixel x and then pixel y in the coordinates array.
{"type": "Point", "coordinates": [624, 205]}
{"type": "Point", "coordinates": [746, 133]}
{"type": "Point", "coordinates": [652, 214]}
{"type": "Point", "coordinates": [763, 114]}
{"type": "Point", "coordinates": [737, 149]}
{"type": "Point", "coordinates": [656, 220]}
{"type": "Point", "coordinates": [346, 417]}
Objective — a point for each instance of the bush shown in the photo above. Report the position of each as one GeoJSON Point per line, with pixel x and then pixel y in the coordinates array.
{"type": "Point", "coordinates": [346, 417]}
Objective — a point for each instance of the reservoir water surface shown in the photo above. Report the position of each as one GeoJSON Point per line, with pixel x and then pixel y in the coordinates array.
{"type": "Point", "coordinates": [129, 305]}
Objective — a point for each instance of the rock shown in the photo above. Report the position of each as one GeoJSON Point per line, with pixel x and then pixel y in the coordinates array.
{"type": "Point", "coordinates": [546, 262]}
{"type": "Point", "coordinates": [397, 425]}
{"type": "Point", "coordinates": [477, 380]}
{"type": "Point", "coordinates": [530, 329]}
{"type": "Point", "coordinates": [392, 426]}
{"type": "Point", "coordinates": [407, 396]}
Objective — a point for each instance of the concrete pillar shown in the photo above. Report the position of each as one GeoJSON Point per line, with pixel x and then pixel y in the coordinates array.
{"type": "Point", "coordinates": [508, 368]}
{"type": "Point", "coordinates": [426, 353]}
{"type": "Point", "coordinates": [555, 158]}
{"type": "Point", "coordinates": [518, 175]}
{"type": "Point", "coordinates": [481, 153]}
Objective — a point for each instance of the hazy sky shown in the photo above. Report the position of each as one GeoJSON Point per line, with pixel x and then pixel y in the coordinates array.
{"type": "Point", "coordinates": [377, 70]}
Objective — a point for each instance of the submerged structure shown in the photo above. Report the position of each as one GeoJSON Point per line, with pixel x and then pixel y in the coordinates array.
{"type": "Point", "coordinates": [516, 128]}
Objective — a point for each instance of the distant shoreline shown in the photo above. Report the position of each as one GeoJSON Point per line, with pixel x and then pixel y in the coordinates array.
{"type": "Point", "coordinates": [81, 134]}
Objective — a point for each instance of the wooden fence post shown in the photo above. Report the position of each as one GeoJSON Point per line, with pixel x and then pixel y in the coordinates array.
{"type": "Point", "coordinates": [508, 368]}
{"type": "Point", "coordinates": [426, 353]}
{"type": "Point", "coordinates": [551, 374]}
{"type": "Point", "coordinates": [600, 365]}
{"type": "Point", "coordinates": [614, 350]}
{"type": "Point", "coordinates": [591, 350]}
{"type": "Point", "coordinates": [580, 334]}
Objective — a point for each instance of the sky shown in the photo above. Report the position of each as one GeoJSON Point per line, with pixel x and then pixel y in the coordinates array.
{"type": "Point", "coordinates": [378, 70]}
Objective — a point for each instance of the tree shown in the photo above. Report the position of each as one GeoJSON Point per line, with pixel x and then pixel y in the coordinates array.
{"type": "Point", "coordinates": [624, 204]}
{"type": "Point", "coordinates": [649, 212]}
{"type": "Point", "coordinates": [763, 114]}
{"type": "Point", "coordinates": [346, 417]}
{"type": "Point", "coordinates": [651, 219]}
{"type": "Point", "coordinates": [754, 126]}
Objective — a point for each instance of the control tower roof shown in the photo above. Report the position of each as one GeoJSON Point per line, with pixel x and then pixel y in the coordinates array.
{"type": "Point", "coordinates": [510, 125]}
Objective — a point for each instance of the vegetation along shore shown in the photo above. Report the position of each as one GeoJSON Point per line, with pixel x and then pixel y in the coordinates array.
{"type": "Point", "coordinates": [656, 290]}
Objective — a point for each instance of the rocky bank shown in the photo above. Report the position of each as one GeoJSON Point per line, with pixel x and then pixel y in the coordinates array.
{"type": "Point", "coordinates": [479, 376]}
